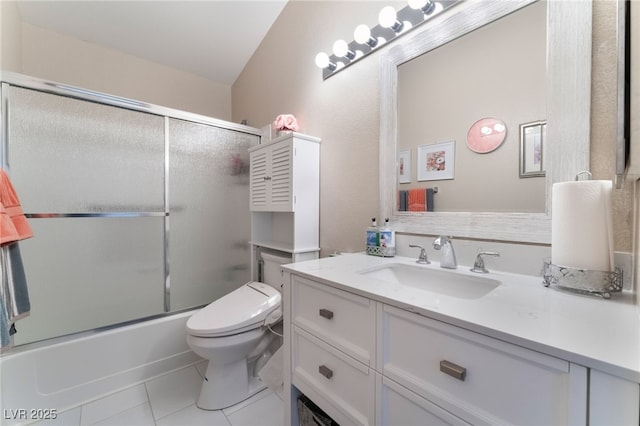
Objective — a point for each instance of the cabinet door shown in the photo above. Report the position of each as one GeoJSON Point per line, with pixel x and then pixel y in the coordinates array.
{"type": "Point", "coordinates": [258, 180]}
{"type": "Point", "coordinates": [398, 406]}
{"type": "Point", "coordinates": [281, 177]}
{"type": "Point", "coordinates": [271, 178]}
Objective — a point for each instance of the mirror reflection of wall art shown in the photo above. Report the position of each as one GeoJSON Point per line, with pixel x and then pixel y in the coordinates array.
{"type": "Point", "coordinates": [436, 161]}
{"type": "Point", "coordinates": [532, 140]}
{"type": "Point", "coordinates": [486, 135]}
{"type": "Point", "coordinates": [404, 166]}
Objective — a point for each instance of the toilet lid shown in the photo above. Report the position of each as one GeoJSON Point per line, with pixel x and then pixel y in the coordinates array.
{"type": "Point", "coordinates": [241, 310]}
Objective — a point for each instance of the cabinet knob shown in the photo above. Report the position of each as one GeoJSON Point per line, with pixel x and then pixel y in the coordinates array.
{"type": "Point", "coordinates": [325, 313]}
{"type": "Point", "coordinates": [453, 370]}
{"type": "Point", "coordinates": [267, 178]}
{"type": "Point", "coordinates": [325, 371]}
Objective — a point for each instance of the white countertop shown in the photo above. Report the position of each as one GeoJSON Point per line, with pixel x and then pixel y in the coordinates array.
{"type": "Point", "coordinates": [587, 330]}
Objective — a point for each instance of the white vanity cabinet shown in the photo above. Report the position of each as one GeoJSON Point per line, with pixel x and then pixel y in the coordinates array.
{"type": "Point", "coordinates": [365, 362]}
{"type": "Point", "coordinates": [284, 200]}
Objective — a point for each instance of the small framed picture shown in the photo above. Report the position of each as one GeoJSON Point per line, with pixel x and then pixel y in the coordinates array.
{"type": "Point", "coordinates": [532, 140]}
{"type": "Point", "coordinates": [436, 161]}
{"type": "Point", "coordinates": [404, 166]}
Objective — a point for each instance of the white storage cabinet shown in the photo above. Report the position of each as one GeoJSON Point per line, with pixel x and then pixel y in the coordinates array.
{"type": "Point", "coordinates": [285, 197]}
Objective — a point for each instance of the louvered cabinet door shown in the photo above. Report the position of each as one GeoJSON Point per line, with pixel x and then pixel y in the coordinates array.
{"type": "Point", "coordinates": [258, 180]}
{"type": "Point", "coordinates": [281, 177]}
{"type": "Point", "coordinates": [271, 177]}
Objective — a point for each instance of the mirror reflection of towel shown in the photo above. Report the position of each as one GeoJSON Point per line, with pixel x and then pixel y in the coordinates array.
{"type": "Point", "coordinates": [416, 200]}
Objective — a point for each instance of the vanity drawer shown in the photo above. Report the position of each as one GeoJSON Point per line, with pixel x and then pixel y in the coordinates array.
{"type": "Point", "coordinates": [398, 406]}
{"type": "Point", "coordinates": [344, 320]}
{"type": "Point", "coordinates": [348, 385]}
{"type": "Point", "coordinates": [478, 378]}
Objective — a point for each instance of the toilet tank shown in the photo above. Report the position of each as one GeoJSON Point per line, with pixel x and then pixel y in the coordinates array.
{"type": "Point", "coordinates": [271, 273]}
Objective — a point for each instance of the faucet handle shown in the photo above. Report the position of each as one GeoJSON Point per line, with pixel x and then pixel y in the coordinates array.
{"type": "Point", "coordinates": [478, 266]}
{"type": "Point", "coordinates": [423, 254]}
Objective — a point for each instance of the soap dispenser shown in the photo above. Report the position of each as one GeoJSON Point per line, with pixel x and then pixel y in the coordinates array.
{"type": "Point", "coordinates": [387, 240]}
{"type": "Point", "coordinates": [373, 238]}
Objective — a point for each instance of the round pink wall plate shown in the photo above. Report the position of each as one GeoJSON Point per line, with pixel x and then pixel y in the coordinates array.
{"type": "Point", "coordinates": [486, 135]}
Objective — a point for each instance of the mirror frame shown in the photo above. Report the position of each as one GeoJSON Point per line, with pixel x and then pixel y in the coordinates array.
{"type": "Point", "coordinates": [569, 27]}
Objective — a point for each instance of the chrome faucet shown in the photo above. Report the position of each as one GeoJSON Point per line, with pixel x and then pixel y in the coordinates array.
{"type": "Point", "coordinates": [478, 266]}
{"type": "Point", "coordinates": [423, 254]}
{"type": "Point", "coordinates": [448, 259]}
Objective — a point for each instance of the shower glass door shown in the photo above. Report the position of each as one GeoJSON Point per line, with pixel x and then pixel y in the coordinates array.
{"type": "Point", "coordinates": [91, 177]}
{"type": "Point", "coordinates": [210, 224]}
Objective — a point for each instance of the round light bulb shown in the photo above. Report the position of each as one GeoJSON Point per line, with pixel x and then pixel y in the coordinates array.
{"type": "Point", "coordinates": [417, 4]}
{"type": "Point", "coordinates": [387, 17]}
{"type": "Point", "coordinates": [362, 34]}
{"type": "Point", "coordinates": [340, 48]}
{"type": "Point", "coordinates": [322, 60]}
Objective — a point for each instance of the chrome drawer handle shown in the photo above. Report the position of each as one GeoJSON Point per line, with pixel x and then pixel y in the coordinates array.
{"type": "Point", "coordinates": [325, 313]}
{"type": "Point", "coordinates": [453, 370]}
{"type": "Point", "coordinates": [325, 371]}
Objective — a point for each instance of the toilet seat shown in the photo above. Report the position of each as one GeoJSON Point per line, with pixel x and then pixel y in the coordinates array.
{"type": "Point", "coordinates": [241, 310]}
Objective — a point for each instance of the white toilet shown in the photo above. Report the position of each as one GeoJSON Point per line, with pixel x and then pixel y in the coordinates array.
{"type": "Point", "coordinates": [232, 333]}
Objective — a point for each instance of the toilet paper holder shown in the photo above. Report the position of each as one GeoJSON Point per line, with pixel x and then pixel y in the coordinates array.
{"type": "Point", "coordinates": [584, 281]}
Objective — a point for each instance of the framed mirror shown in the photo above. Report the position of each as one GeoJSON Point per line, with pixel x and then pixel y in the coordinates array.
{"type": "Point", "coordinates": [568, 103]}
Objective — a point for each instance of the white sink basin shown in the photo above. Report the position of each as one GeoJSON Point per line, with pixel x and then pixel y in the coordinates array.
{"type": "Point", "coordinates": [447, 282]}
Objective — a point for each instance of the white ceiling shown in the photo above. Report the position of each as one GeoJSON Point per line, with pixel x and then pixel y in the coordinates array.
{"type": "Point", "coordinates": [211, 38]}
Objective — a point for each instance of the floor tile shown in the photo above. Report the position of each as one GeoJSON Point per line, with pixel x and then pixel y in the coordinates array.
{"type": "Point", "coordinates": [113, 404]}
{"type": "Point", "coordinates": [242, 404]}
{"type": "Point", "coordinates": [137, 416]}
{"type": "Point", "coordinates": [267, 411]}
{"type": "Point", "coordinates": [194, 416]}
{"type": "Point", "coordinates": [174, 391]}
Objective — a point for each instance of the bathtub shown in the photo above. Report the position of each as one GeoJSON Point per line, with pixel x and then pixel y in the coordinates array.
{"type": "Point", "coordinates": [68, 373]}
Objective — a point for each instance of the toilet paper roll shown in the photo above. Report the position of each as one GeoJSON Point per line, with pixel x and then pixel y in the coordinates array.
{"type": "Point", "coordinates": [581, 225]}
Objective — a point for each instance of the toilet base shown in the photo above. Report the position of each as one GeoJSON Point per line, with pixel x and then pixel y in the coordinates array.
{"type": "Point", "coordinates": [224, 389]}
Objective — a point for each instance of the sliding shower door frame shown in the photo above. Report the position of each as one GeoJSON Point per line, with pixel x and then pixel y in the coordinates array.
{"type": "Point", "coordinates": [9, 80]}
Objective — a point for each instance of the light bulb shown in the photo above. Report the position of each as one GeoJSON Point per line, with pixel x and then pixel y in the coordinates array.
{"type": "Point", "coordinates": [417, 4]}
{"type": "Point", "coordinates": [426, 6]}
{"type": "Point", "coordinates": [362, 35]}
{"type": "Point", "coordinates": [341, 50]}
{"type": "Point", "coordinates": [389, 19]}
{"type": "Point", "coordinates": [323, 61]}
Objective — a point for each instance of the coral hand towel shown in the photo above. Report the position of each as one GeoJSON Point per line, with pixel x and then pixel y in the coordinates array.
{"type": "Point", "coordinates": [17, 228]}
{"type": "Point", "coordinates": [417, 200]}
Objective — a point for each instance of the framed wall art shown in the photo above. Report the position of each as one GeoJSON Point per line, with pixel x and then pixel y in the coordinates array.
{"type": "Point", "coordinates": [436, 161]}
{"type": "Point", "coordinates": [532, 140]}
{"type": "Point", "coordinates": [404, 166]}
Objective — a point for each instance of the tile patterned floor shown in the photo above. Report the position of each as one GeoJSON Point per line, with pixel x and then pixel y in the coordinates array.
{"type": "Point", "coordinates": [169, 400]}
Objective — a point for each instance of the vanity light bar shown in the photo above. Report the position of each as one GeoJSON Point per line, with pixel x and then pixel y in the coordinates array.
{"type": "Point", "coordinates": [392, 24]}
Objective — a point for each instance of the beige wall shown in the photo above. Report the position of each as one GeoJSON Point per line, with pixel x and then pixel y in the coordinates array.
{"type": "Point", "coordinates": [45, 54]}
{"type": "Point", "coordinates": [10, 37]}
{"type": "Point", "coordinates": [343, 110]}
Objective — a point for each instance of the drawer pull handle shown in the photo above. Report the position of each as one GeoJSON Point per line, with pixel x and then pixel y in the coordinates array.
{"type": "Point", "coordinates": [453, 370]}
{"type": "Point", "coordinates": [325, 313]}
{"type": "Point", "coordinates": [325, 371]}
